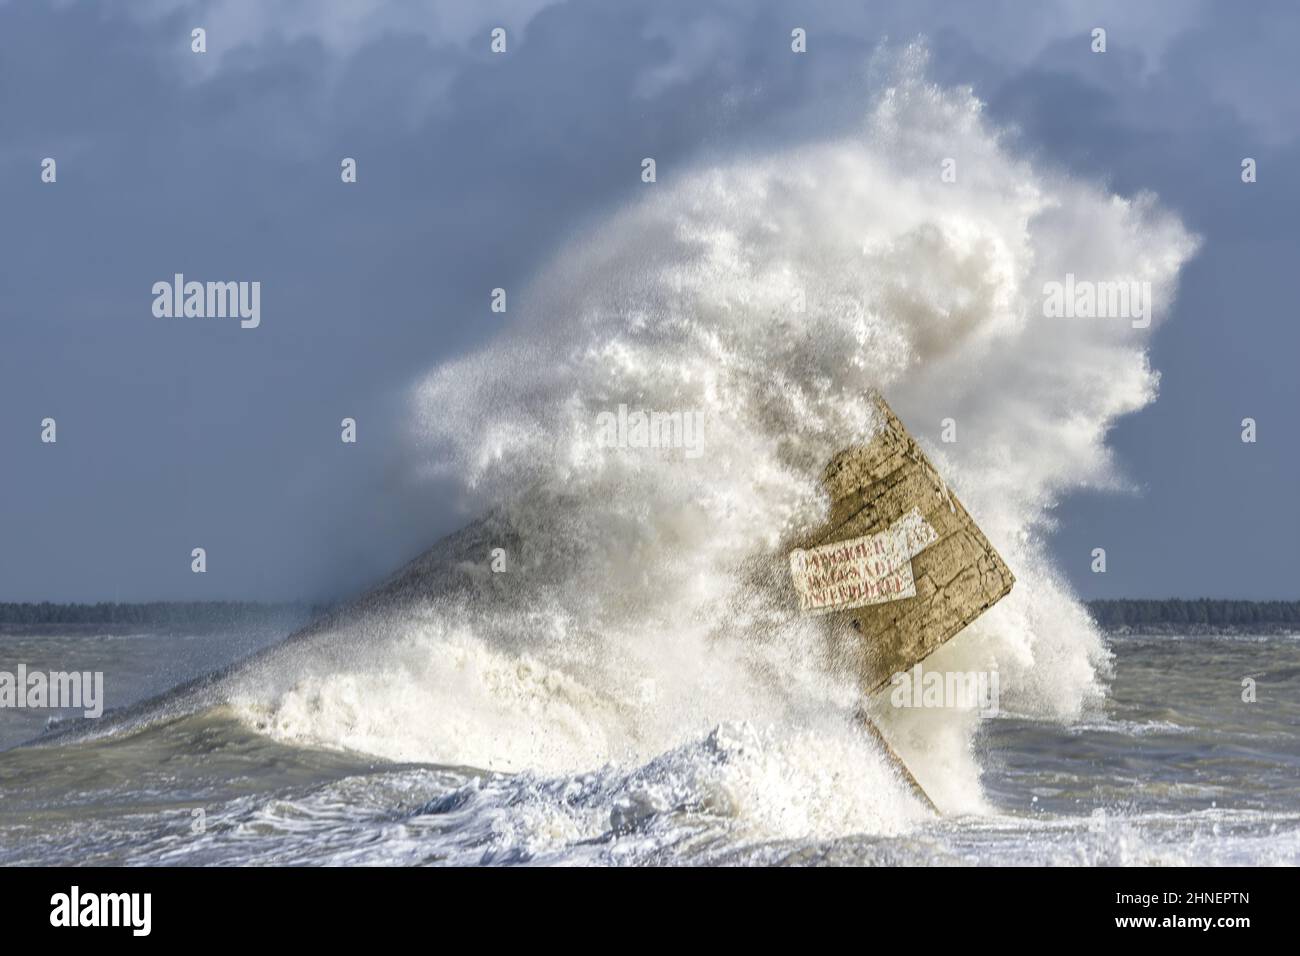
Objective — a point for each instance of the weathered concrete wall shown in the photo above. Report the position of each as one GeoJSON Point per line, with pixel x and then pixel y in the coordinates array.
{"type": "Point", "coordinates": [956, 578]}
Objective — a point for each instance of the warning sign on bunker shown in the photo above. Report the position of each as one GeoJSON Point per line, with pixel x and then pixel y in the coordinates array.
{"type": "Point", "coordinates": [861, 571]}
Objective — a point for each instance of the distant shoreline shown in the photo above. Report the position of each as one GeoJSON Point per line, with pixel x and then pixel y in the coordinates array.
{"type": "Point", "coordinates": [195, 615]}
{"type": "Point", "coordinates": [1195, 616]}
{"type": "Point", "coordinates": [1128, 616]}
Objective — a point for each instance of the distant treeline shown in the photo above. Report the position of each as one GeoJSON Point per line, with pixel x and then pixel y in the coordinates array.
{"type": "Point", "coordinates": [155, 613]}
{"type": "Point", "coordinates": [1175, 612]}
{"type": "Point", "coordinates": [1108, 614]}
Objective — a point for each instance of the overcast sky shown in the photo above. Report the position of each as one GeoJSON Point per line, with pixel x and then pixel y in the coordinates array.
{"type": "Point", "coordinates": [472, 169]}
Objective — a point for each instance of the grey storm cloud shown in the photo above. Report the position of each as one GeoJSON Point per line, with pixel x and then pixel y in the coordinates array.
{"type": "Point", "coordinates": [472, 170]}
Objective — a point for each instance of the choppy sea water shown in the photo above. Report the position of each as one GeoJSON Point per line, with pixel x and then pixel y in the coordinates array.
{"type": "Point", "coordinates": [1174, 769]}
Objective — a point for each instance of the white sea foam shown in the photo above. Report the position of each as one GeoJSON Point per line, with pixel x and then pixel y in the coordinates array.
{"type": "Point", "coordinates": [639, 611]}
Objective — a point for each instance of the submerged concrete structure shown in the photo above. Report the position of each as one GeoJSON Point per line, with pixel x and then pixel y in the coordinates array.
{"type": "Point", "coordinates": [911, 568]}
{"type": "Point", "coordinates": [899, 567]}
